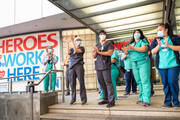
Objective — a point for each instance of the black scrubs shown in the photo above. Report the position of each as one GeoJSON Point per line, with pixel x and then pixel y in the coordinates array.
{"type": "Point", "coordinates": [67, 79]}
{"type": "Point", "coordinates": [103, 68]}
{"type": "Point", "coordinates": [76, 70]}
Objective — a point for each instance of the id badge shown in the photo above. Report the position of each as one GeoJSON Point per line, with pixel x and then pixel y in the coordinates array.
{"type": "Point", "coordinates": [164, 47]}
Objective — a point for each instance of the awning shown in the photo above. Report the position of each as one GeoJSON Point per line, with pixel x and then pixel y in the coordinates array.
{"type": "Point", "coordinates": [117, 17]}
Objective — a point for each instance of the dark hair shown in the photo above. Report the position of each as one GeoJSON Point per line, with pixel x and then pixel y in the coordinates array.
{"type": "Point", "coordinates": [102, 31]}
{"type": "Point", "coordinates": [167, 26]}
{"type": "Point", "coordinates": [142, 37]}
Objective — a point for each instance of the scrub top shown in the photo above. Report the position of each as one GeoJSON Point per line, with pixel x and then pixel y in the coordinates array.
{"type": "Point", "coordinates": [167, 58]}
{"type": "Point", "coordinates": [104, 62]}
{"type": "Point", "coordinates": [115, 56]}
{"type": "Point", "coordinates": [127, 62]}
{"type": "Point", "coordinates": [137, 56]}
{"type": "Point", "coordinates": [76, 58]}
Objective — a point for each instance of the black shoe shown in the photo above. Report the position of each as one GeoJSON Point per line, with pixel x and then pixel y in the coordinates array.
{"type": "Point", "coordinates": [83, 102]}
{"type": "Point", "coordinates": [67, 93]}
{"type": "Point", "coordinates": [167, 106]}
{"type": "Point", "coordinates": [126, 93]}
{"type": "Point", "coordinates": [103, 102]}
{"type": "Point", "coordinates": [110, 105]}
{"type": "Point", "coordinates": [72, 102]}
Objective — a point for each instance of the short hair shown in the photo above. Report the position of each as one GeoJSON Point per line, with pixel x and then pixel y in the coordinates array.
{"type": "Point", "coordinates": [102, 31]}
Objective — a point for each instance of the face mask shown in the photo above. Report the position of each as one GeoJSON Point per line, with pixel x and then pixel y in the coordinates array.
{"type": "Point", "coordinates": [160, 34]}
{"type": "Point", "coordinates": [137, 36]}
{"type": "Point", "coordinates": [102, 37]}
{"type": "Point", "coordinates": [50, 50]}
{"type": "Point", "coordinates": [78, 43]}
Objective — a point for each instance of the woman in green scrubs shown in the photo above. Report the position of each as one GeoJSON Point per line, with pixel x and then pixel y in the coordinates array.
{"type": "Point", "coordinates": [138, 51]}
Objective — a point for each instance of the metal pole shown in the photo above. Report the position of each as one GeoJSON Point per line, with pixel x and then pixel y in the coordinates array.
{"type": "Point", "coordinates": [11, 86]}
{"type": "Point", "coordinates": [31, 93]}
{"type": "Point", "coordinates": [63, 86]}
{"type": "Point", "coordinates": [50, 79]}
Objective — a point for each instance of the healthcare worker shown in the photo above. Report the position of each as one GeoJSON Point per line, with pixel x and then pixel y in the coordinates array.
{"type": "Point", "coordinates": [166, 48]}
{"type": "Point", "coordinates": [102, 53]}
{"type": "Point", "coordinates": [66, 63]}
{"type": "Point", "coordinates": [114, 72]}
{"type": "Point", "coordinates": [49, 60]}
{"type": "Point", "coordinates": [128, 76]}
{"type": "Point", "coordinates": [138, 51]}
{"type": "Point", "coordinates": [76, 68]}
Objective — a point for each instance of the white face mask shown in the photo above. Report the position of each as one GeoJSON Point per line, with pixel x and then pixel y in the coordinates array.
{"type": "Point", "coordinates": [50, 50]}
{"type": "Point", "coordinates": [102, 37]}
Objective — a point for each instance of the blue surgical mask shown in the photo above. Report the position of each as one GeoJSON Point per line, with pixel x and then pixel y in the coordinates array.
{"type": "Point", "coordinates": [137, 36]}
{"type": "Point", "coordinates": [50, 50]}
{"type": "Point", "coordinates": [160, 34]}
{"type": "Point", "coordinates": [78, 43]}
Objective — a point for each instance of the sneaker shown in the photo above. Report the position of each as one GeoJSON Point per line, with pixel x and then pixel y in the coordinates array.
{"type": "Point", "coordinates": [166, 106]}
{"type": "Point", "coordinates": [134, 93]}
{"type": "Point", "coordinates": [110, 105]}
{"type": "Point", "coordinates": [126, 93]}
{"type": "Point", "coordinates": [146, 104]}
{"type": "Point", "coordinates": [103, 102]}
{"type": "Point", "coordinates": [72, 102]}
{"type": "Point", "coordinates": [176, 106]}
{"type": "Point", "coordinates": [139, 102]}
{"type": "Point", "coordinates": [83, 102]}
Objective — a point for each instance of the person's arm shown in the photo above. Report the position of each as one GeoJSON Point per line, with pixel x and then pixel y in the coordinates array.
{"type": "Point", "coordinates": [113, 60]}
{"type": "Point", "coordinates": [155, 49]}
{"type": "Point", "coordinates": [139, 49]}
{"type": "Point", "coordinates": [173, 47]}
{"type": "Point", "coordinates": [107, 53]}
{"type": "Point", "coordinates": [94, 54]}
{"type": "Point", "coordinates": [123, 57]}
{"type": "Point", "coordinates": [68, 49]}
{"type": "Point", "coordinates": [45, 60]}
{"type": "Point", "coordinates": [74, 46]}
{"type": "Point", "coordinates": [54, 58]}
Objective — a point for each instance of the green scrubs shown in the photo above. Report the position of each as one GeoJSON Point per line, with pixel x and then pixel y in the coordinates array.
{"type": "Point", "coordinates": [53, 78]}
{"type": "Point", "coordinates": [114, 73]}
{"type": "Point", "coordinates": [141, 71]}
{"type": "Point", "coordinates": [167, 58]}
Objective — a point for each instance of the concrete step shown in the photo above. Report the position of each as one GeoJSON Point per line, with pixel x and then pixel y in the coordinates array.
{"type": "Point", "coordinates": [70, 116]}
{"type": "Point", "coordinates": [117, 110]}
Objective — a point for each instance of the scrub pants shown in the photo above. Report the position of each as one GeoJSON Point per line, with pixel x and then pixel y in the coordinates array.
{"type": "Point", "coordinates": [170, 79]}
{"type": "Point", "coordinates": [141, 71]}
{"type": "Point", "coordinates": [114, 76]}
{"type": "Point", "coordinates": [53, 78]}
{"type": "Point", "coordinates": [67, 79]}
{"type": "Point", "coordinates": [104, 78]}
{"type": "Point", "coordinates": [130, 81]}
{"type": "Point", "coordinates": [77, 72]}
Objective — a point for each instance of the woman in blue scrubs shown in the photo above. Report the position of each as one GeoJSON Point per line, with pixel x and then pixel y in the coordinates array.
{"type": "Point", "coordinates": [166, 48]}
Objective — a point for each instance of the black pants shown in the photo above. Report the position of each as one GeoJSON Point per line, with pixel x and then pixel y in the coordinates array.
{"type": "Point", "coordinates": [104, 78]}
{"type": "Point", "coordinates": [67, 79]}
{"type": "Point", "coordinates": [77, 72]}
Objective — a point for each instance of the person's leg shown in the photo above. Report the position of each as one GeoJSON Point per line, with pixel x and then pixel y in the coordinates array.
{"type": "Point", "coordinates": [173, 77]}
{"type": "Point", "coordinates": [53, 79]}
{"type": "Point", "coordinates": [114, 75]}
{"type": "Point", "coordinates": [102, 84]}
{"type": "Point", "coordinates": [99, 87]}
{"type": "Point", "coordinates": [67, 82]}
{"type": "Point", "coordinates": [136, 74]}
{"type": "Point", "coordinates": [134, 85]}
{"type": "Point", "coordinates": [127, 78]}
{"type": "Point", "coordinates": [72, 76]}
{"type": "Point", "coordinates": [46, 83]}
{"type": "Point", "coordinates": [166, 89]}
{"type": "Point", "coordinates": [145, 79]}
{"type": "Point", "coordinates": [80, 75]}
{"type": "Point", "coordinates": [110, 89]}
